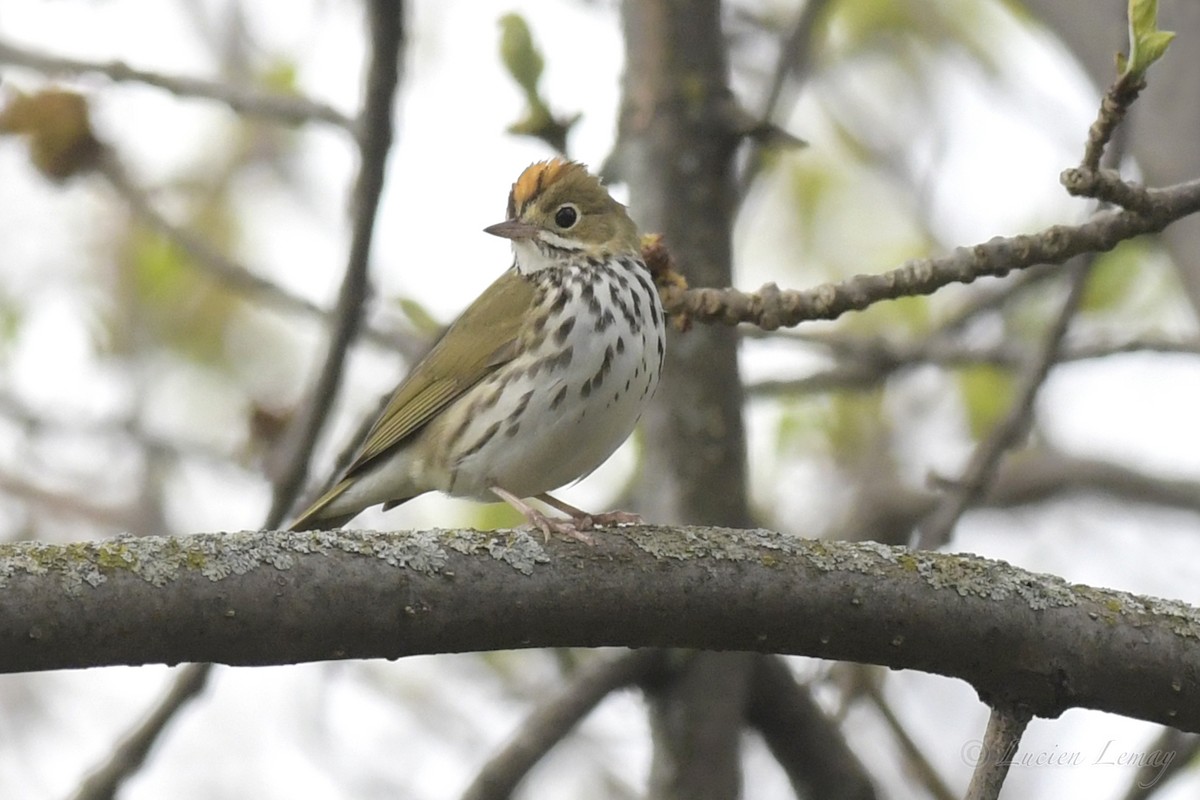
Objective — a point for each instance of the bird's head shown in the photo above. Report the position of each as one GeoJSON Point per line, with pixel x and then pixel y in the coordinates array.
{"type": "Point", "coordinates": [560, 212]}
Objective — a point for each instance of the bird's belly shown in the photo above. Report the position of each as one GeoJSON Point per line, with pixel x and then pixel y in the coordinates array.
{"type": "Point", "coordinates": [548, 430]}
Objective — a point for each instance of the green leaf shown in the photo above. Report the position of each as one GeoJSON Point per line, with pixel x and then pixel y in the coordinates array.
{"type": "Point", "coordinates": [987, 395]}
{"type": "Point", "coordinates": [1147, 43]}
{"type": "Point", "coordinates": [11, 317]}
{"type": "Point", "coordinates": [494, 516]}
{"type": "Point", "coordinates": [803, 424]}
{"type": "Point", "coordinates": [520, 55]}
{"type": "Point", "coordinates": [1115, 277]}
{"type": "Point", "coordinates": [524, 63]}
{"type": "Point", "coordinates": [183, 308]}
{"type": "Point", "coordinates": [282, 76]}
{"type": "Point", "coordinates": [857, 422]}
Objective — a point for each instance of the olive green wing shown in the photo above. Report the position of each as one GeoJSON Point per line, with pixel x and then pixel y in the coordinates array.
{"type": "Point", "coordinates": [484, 337]}
{"type": "Point", "coordinates": [479, 341]}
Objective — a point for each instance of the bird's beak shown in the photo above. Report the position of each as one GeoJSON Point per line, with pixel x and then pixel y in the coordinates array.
{"type": "Point", "coordinates": [512, 229]}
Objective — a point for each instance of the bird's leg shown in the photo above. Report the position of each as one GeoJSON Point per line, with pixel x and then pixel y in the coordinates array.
{"type": "Point", "coordinates": [568, 528]}
{"type": "Point", "coordinates": [585, 521]}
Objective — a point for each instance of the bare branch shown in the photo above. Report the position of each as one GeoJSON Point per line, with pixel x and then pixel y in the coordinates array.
{"type": "Point", "coordinates": [866, 362]}
{"type": "Point", "coordinates": [981, 469]}
{"type": "Point", "coordinates": [792, 64]}
{"type": "Point", "coordinates": [65, 503]}
{"type": "Point", "coordinates": [32, 421]}
{"type": "Point", "coordinates": [697, 710]}
{"type": "Point", "coordinates": [386, 31]}
{"type": "Point", "coordinates": [227, 270]}
{"type": "Point", "coordinates": [918, 764]}
{"type": "Point", "coordinates": [1171, 753]}
{"type": "Point", "coordinates": [282, 597]}
{"type": "Point", "coordinates": [375, 136]}
{"type": "Point", "coordinates": [286, 108]}
{"type": "Point", "coordinates": [887, 509]}
{"type": "Point", "coordinates": [128, 757]}
{"type": "Point", "coordinates": [1113, 107]}
{"type": "Point", "coordinates": [1037, 475]}
{"type": "Point", "coordinates": [1004, 730]}
{"type": "Point", "coordinates": [551, 722]}
{"type": "Point", "coordinates": [772, 307]}
{"type": "Point", "coordinates": [995, 298]}
{"type": "Point", "coordinates": [804, 740]}
{"type": "Point", "coordinates": [1106, 185]}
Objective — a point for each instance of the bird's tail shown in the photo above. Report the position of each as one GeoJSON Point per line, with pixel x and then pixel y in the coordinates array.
{"type": "Point", "coordinates": [320, 516]}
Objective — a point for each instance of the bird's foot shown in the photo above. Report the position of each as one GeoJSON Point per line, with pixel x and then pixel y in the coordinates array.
{"type": "Point", "coordinates": [585, 521]}
{"type": "Point", "coordinates": [549, 526]}
{"type": "Point", "coordinates": [566, 528]}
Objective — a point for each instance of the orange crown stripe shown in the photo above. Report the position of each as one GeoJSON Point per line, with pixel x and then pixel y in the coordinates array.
{"type": "Point", "coordinates": [538, 176]}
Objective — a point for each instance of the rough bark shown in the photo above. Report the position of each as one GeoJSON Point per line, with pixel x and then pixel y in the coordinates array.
{"type": "Point", "coordinates": [1019, 638]}
{"type": "Point", "coordinates": [676, 152]}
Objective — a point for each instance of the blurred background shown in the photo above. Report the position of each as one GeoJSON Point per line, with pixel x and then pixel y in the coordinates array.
{"type": "Point", "coordinates": [145, 389]}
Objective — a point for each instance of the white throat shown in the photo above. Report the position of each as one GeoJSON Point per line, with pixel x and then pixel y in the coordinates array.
{"type": "Point", "coordinates": [531, 259]}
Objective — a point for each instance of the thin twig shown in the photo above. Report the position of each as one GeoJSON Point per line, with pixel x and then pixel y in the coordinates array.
{"type": "Point", "coordinates": [202, 253]}
{"type": "Point", "coordinates": [917, 762]}
{"type": "Point", "coordinates": [867, 362]}
{"type": "Point", "coordinates": [980, 302]}
{"type": "Point", "coordinates": [1113, 107]}
{"type": "Point", "coordinates": [1000, 743]}
{"type": "Point", "coordinates": [386, 34]}
{"type": "Point", "coordinates": [981, 469]}
{"type": "Point", "coordinates": [286, 108]}
{"type": "Point", "coordinates": [1106, 185]}
{"type": "Point", "coordinates": [383, 75]}
{"type": "Point", "coordinates": [64, 503]}
{"type": "Point", "coordinates": [793, 63]}
{"type": "Point", "coordinates": [1172, 752]}
{"type": "Point", "coordinates": [996, 298]}
{"type": "Point", "coordinates": [807, 743]}
{"type": "Point", "coordinates": [228, 271]}
{"type": "Point", "coordinates": [772, 307]}
{"type": "Point", "coordinates": [550, 723]}
{"type": "Point", "coordinates": [32, 421]}
{"type": "Point", "coordinates": [131, 753]}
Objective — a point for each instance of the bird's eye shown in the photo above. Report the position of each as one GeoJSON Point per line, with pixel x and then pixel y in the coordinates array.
{"type": "Point", "coordinates": [566, 216]}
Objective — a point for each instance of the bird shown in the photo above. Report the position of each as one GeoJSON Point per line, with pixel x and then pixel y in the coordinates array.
{"type": "Point", "coordinates": [537, 382]}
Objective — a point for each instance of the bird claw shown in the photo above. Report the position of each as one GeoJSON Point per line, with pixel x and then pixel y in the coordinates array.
{"type": "Point", "coordinates": [566, 528]}
{"type": "Point", "coordinates": [575, 527]}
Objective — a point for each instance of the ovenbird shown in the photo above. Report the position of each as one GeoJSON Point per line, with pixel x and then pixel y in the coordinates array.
{"type": "Point", "coordinates": [538, 381]}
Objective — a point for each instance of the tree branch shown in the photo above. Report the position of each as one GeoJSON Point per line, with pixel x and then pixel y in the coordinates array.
{"type": "Point", "coordinates": [1005, 727]}
{"type": "Point", "coordinates": [887, 509]}
{"type": "Point", "coordinates": [279, 597]}
{"type": "Point", "coordinates": [286, 108]}
{"type": "Point", "coordinates": [551, 722]}
{"type": "Point", "coordinates": [867, 362]}
{"type": "Point", "coordinates": [131, 753]}
{"type": "Point", "coordinates": [807, 744]}
{"type": "Point", "coordinates": [386, 31]}
{"type": "Point", "coordinates": [227, 270]}
{"type": "Point", "coordinates": [385, 22]}
{"type": "Point", "coordinates": [771, 307]}
{"type": "Point", "coordinates": [676, 146]}
{"type": "Point", "coordinates": [981, 469]}
{"type": "Point", "coordinates": [918, 765]}
{"type": "Point", "coordinates": [794, 63]}
{"type": "Point", "coordinates": [1171, 753]}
